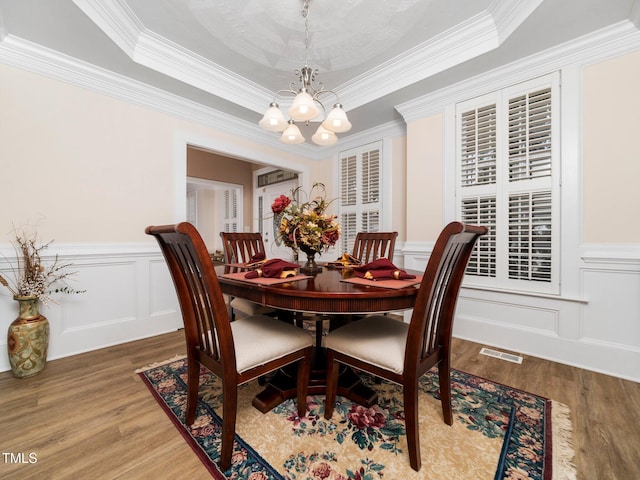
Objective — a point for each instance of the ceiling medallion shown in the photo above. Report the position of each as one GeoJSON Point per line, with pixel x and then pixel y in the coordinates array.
{"type": "Point", "coordinates": [307, 105]}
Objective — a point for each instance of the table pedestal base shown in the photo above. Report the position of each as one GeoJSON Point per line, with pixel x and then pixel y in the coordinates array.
{"type": "Point", "coordinates": [282, 386]}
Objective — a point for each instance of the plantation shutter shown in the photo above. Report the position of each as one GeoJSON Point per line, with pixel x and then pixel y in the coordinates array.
{"type": "Point", "coordinates": [482, 211]}
{"type": "Point", "coordinates": [230, 210]}
{"type": "Point", "coordinates": [530, 166]}
{"type": "Point", "coordinates": [360, 192]}
{"type": "Point", "coordinates": [505, 181]}
{"type": "Point", "coordinates": [478, 158]}
{"type": "Point", "coordinates": [192, 208]}
{"type": "Point", "coordinates": [477, 181]}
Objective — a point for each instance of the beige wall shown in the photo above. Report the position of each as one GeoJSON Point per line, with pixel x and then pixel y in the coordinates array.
{"type": "Point", "coordinates": [611, 151]}
{"type": "Point", "coordinates": [88, 167]}
{"type": "Point", "coordinates": [425, 178]}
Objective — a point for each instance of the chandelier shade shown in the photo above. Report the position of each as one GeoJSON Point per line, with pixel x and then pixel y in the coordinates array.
{"type": "Point", "coordinates": [303, 108]}
{"type": "Point", "coordinates": [292, 134]}
{"type": "Point", "coordinates": [273, 119]}
{"type": "Point", "coordinates": [324, 137]}
{"type": "Point", "coordinates": [307, 105]}
{"type": "Point", "coordinates": [337, 120]}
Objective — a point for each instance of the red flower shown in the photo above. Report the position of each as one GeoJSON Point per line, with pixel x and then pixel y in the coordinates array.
{"type": "Point", "coordinates": [330, 237]}
{"type": "Point", "coordinates": [280, 203]}
{"type": "Point", "coordinates": [363, 417]}
{"type": "Point", "coordinates": [322, 471]}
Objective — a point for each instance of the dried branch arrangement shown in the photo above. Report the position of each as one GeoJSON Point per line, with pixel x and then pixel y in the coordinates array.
{"type": "Point", "coordinates": [34, 277]}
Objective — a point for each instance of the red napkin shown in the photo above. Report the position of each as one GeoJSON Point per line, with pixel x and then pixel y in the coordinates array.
{"type": "Point", "coordinates": [257, 259]}
{"type": "Point", "coordinates": [381, 269]}
{"type": "Point", "coordinates": [274, 268]}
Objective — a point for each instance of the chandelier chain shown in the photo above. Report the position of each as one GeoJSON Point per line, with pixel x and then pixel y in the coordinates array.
{"type": "Point", "coordinates": [305, 15]}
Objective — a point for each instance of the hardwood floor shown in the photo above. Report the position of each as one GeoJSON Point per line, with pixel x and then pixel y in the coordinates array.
{"type": "Point", "coordinates": [90, 416]}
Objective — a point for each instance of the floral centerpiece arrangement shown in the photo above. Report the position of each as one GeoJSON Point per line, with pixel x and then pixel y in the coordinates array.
{"type": "Point", "coordinates": [304, 223]}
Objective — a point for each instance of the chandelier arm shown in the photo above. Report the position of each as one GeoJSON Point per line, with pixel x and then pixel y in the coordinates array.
{"type": "Point", "coordinates": [281, 93]}
{"type": "Point", "coordinates": [317, 94]}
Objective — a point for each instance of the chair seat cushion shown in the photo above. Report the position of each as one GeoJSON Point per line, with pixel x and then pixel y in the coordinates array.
{"type": "Point", "coordinates": [376, 339]}
{"type": "Point", "coordinates": [259, 339]}
{"type": "Point", "coordinates": [248, 307]}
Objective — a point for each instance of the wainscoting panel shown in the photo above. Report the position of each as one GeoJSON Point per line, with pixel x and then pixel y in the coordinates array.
{"type": "Point", "coordinates": [93, 308]}
{"type": "Point", "coordinates": [129, 295]}
{"type": "Point", "coordinates": [599, 329]}
{"type": "Point", "coordinates": [613, 312]}
{"type": "Point", "coordinates": [162, 294]}
{"type": "Point", "coordinates": [525, 317]}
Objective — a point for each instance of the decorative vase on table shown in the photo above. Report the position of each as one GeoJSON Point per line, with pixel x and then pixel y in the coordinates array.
{"type": "Point", "coordinates": [28, 339]}
{"type": "Point", "coordinates": [310, 267]}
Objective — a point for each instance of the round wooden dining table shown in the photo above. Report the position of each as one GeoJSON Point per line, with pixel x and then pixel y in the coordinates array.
{"type": "Point", "coordinates": [330, 294]}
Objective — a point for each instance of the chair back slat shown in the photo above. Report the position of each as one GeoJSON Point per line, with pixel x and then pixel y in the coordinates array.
{"type": "Point", "coordinates": [241, 247]}
{"type": "Point", "coordinates": [433, 313]}
{"type": "Point", "coordinates": [206, 320]}
{"type": "Point", "coordinates": [369, 246]}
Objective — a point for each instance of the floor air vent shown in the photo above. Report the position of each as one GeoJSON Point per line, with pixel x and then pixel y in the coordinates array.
{"type": "Point", "coordinates": [509, 357]}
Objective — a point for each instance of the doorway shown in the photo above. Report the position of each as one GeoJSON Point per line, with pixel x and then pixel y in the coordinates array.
{"type": "Point", "coordinates": [214, 207]}
{"type": "Point", "coordinates": [270, 183]}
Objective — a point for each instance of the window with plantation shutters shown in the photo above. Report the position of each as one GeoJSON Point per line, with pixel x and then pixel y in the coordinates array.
{"type": "Point", "coordinates": [507, 156]}
{"type": "Point", "coordinates": [360, 192]}
{"type": "Point", "coordinates": [230, 223]}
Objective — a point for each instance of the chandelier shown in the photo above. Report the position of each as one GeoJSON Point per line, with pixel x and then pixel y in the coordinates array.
{"type": "Point", "coordinates": [306, 105]}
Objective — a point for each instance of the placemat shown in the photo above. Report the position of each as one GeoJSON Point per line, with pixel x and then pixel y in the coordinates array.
{"type": "Point", "coordinates": [263, 280]}
{"type": "Point", "coordinates": [384, 283]}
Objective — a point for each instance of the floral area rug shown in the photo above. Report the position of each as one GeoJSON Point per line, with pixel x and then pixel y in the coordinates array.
{"type": "Point", "coordinates": [498, 432]}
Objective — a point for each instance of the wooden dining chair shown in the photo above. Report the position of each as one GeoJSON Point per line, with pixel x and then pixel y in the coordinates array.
{"type": "Point", "coordinates": [234, 351]}
{"type": "Point", "coordinates": [369, 246]}
{"type": "Point", "coordinates": [402, 352]}
{"type": "Point", "coordinates": [242, 247]}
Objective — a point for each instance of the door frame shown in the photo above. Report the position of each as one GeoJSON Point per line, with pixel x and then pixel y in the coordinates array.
{"type": "Point", "coordinates": [244, 152]}
{"type": "Point", "coordinates": [267, 214]}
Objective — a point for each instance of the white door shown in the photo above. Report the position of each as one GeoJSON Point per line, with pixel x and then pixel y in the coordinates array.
{"type": "Point", "coordinates": [266, 224]}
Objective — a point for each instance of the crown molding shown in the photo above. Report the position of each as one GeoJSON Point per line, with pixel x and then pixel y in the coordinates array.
{"type": "Point", "coordinates": [623, 37]}
{"type": "Point", "coordinates": [467, 40]}
{"type": "Point", "coordinates": [147, 48]}
{"type": "Point", "coordinates": [116, 20]}
{"type": "Point", "coordinates": [509, 14]}
{"type": "Point", "coordinates": [634, 16]}
{"type": "Point", "coordinates": [395, 128]}
{"type": "Point", "coordinates": [163, 56]}
{"type": "Point", "coordinates": [458, 44]}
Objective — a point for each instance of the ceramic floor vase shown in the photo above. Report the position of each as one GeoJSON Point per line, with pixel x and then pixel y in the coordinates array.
{"type": "Point", "coordinates": [28, 339]}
